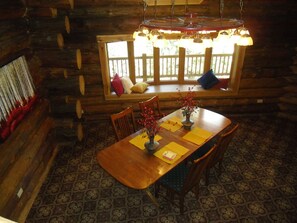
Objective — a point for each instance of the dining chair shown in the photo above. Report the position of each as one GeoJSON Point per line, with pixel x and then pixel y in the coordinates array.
{"type": "Point", "coordinates": [222, 146]}
{"type": "Point", "coordinates": [123, 123]}
{"type": "Point", "coordinates": [222, 142]}
{"type": "Point", "coordinates": [154, 104]}
{"type": "Point", "coordinates": [183, 178]}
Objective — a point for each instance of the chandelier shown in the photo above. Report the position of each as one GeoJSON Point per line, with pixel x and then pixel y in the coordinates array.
{"type": "Point", "coordinates": [192, 28]}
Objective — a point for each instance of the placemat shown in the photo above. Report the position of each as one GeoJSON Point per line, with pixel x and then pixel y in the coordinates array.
{"type": "Point", "coordinates": [140, 139]}
{"type": "Point", "coordinates": [171, 148]}
{"type": "Point", "coordinates": [173, 124]}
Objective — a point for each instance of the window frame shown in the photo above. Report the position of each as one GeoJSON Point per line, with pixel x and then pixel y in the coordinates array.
{"type": "Point", "coordinates": [165, 90]}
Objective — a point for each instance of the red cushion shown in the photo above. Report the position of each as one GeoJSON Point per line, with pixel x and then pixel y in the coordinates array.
{"type": "Point", "coordinates": [223, 83]}
{"type": "Point", "coordinates": [117, 85]}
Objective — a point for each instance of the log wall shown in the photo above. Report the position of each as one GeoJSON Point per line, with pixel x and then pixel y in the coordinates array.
{"type": "Point", "coordinates": [58, 38]}
{"type": "Point", "coordinates": [268, 71]}
{"type": "Point", "coordinates": [27, 154]}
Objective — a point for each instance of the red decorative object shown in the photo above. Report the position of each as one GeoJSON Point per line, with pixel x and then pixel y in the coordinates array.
{"type": "Point", "coordinates": [149, 122]}
{"type": "Point", "coordinates": [187, 101]}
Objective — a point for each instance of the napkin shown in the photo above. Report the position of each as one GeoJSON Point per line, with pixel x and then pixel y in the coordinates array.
{"type": "Point", "coordinates": [173, 124]}
{"type": "Point", "coordinates": [142, 138]}
{"type": "Point", "coordinates": [197, 135]}
{"type": "Point", "coordinates": [171, 152]}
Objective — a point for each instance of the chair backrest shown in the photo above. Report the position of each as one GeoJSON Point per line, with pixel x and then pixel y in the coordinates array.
{"type": "Point", "coordinates": [222, 145]}
{"type": "Point", "coordinates": [153, 103]}
{"type": "Point", "coordinates": [123, 123]}
{"type": "Point", "coordinates": [196, 170]}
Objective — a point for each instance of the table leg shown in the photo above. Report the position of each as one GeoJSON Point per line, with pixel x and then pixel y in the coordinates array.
{"type": "Point", "coordinates": [152, 197]}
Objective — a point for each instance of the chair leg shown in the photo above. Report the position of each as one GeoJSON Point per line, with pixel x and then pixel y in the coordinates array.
{"type": "Point", "coordinates": [196, 191]}
{"type": "Point", "coordinates": [157, 190]}
{"type": "Point", "coordinates": [220, 166]}
{"type": "Point", "coordinates": [207, 170]}
{"type": "Point", "coordinates": [181, 204]}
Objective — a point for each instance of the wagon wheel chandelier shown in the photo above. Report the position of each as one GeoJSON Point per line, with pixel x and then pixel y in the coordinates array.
{"type": "Point", "coordinates": [192, 28]}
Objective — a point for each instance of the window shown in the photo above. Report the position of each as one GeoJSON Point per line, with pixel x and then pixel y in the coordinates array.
{"type": "Point", "coordinates": [170, 65]}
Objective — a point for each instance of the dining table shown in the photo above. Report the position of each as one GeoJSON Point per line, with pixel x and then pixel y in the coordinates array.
{"type": "Point", "coordinates": [132, 165]}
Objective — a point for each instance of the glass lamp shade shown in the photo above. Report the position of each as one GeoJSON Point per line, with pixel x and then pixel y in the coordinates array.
{"type": "Point", "coordinates": [245, 38]}
{"type": "Point", "coordinates": [245, 41]}
{"type": "Point", "coordinates": [223, 36]}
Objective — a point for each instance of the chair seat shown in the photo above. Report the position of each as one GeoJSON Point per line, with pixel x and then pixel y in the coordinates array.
{"type": "Point", "coordinates": [176, 177]}
{"type": "Point", "coordinates": [203, 149]}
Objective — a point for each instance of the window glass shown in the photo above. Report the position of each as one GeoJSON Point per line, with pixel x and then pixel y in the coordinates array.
{"type": "Point", "coordinates": [222, 56]}
{"type": "Point", "coordinates": [220, 60]}
{"type": "Point", "coordinates": [169, 61]}
{"type": "Point", "coordinates": [194, 62]}
{"type": "Point", "coordinates": [118, 58]}
{"type": "Point", "coordinates": [144, 60]}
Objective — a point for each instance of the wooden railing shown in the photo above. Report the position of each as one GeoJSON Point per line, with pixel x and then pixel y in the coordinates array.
{"type": "Point", "coordinates": [194, 65]}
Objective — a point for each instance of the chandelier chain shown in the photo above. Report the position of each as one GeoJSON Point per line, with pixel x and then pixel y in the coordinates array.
{"type": "Point", "coordinates": [221, 8]}
{"type": "Point", "coordinates": [144, 8]}
{"type": "Point", "coordinates": [155, 9]}
{"type": "Point", "coordinates": [186, 6]}
{"type": "Point", "coordinates": [241, 8]}
{"type": "Point", "coordinates": [172, 7]}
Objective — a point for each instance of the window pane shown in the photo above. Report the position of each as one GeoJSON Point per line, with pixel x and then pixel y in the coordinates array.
{"type": "Point", "coordinates": [194, 62]}
{"type": "Point", "coordinates": [169, 61]}
{"type": "Point", "coordinates": [118, 59]}
{"type": "Point", "coordinates": [144, 66]}
{"type": "Point", "coordinates": [222, 56]}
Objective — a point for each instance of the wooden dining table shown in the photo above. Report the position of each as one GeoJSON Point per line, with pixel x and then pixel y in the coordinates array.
{"type": "Point", "coordinates": [139, 169]}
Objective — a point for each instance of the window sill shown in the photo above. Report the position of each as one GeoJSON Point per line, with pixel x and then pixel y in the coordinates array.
{"type": "Point", "coordinates": [171, 90]}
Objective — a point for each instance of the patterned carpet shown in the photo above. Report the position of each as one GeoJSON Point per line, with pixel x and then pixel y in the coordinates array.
{"type": "Point", "coordinates": [258, 182]}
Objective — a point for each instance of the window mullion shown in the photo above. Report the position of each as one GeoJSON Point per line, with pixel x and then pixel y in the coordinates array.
{"type": "Point", "coordinates": [131, 60]}
{"type": "Point", "coordinates": [181, 65]}
{"type": "Point", "coordinates": [156, 65]}
{"type": "Point", "coordinates": [207, 60]}
{"type": "Point", "coordinates": [236, 67]}
{"type": "Point", "coordinates": [104, 67]}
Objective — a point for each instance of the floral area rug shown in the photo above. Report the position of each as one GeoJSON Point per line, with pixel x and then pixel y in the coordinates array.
{"type": "Point", "coordinates": [258, 182]}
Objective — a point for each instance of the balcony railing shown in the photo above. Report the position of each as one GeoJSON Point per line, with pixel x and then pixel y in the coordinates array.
{"type": "Point", "coordinates": [194, 66]}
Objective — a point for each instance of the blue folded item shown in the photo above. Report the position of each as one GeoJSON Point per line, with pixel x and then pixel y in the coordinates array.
{"type": "Point", "coordinates": [208, 80]}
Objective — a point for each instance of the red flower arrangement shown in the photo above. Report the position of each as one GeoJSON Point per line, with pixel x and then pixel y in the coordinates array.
{"type": "Point", "coordinates": [187, 102]}
{"type": "Point", "coordinates": [149, 122]}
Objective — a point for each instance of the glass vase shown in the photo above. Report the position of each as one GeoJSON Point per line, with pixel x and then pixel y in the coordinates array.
{"type": "Point", "coordinates": [151, 145]}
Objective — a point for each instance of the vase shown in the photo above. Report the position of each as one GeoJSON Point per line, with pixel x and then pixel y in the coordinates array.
{"type": "Point", "coordinates": [187, 124]}
{"type": "Point", "coordinates": [151, 145]}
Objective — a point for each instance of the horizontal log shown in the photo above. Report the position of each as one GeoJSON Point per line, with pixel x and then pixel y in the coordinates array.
{"type": "Point", "coordinates": [115, 25]}
{"type": "Point", "coordinates": [37, 12]}
{"type": "Point", "coordinates": [290, 88]}
{"type": "Point", "coordinates": [63, 123]}
{"type": "Point", "coordinates": [261, 93]}
{"type": "Point", "coordinates": [60, 58]}
{"type": "Point", "coordinates": [287, 115]}
{"type": "Point", "coordinates": [52, 25]}
{"type": "Point", "coordinates": [289, 100]}
{"type": "Point", "coordinates": [14, 46]}
{"type": "Point", "coordinates": [12, 148]}
{"type": "Point", "coordinates": [84, 41]}
{"type": "Point", "coordinates": [45, 40]}
{"type": "Point", "coordinates": [9, 185]}
{"type": "Point", "coordinates": [287, 107]}
{"type": "Point", "coordinates": [277, 82]}
{"type": "Point", "coordinates": [66, 85]}
{"type": "Point", "coordinates": [31, 179]}
{"type": "Point", "coordinates": [64, 4]}
{"type": "Point", "coordinates": [86, 70]}
{"type": "Point", "coordinates": [8, 14]}
{"type": "Point", "coordinates": [67, 110]}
